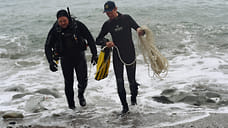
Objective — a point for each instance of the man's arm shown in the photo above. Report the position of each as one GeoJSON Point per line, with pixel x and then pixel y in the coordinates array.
{"type": "Point", "coordinates": [135, 26]}
{"type": "Point", "coordinates": [49, 45]}
{"type": "Point", "coordinates": [88, 36]}
{"type": "Point", "coordinates": [100, 40]}
{"type": "Point", "coordinates": [132, 22]}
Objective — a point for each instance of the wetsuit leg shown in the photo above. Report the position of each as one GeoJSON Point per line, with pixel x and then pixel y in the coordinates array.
{"type": "Point", "coordinates": [81, 73]}
{"type": "Point", "coordinates": [68, 70]}
{"type": "Point", "coordinates": [118, 69]}
{"type": "Point", "coordinates": [133, 84]}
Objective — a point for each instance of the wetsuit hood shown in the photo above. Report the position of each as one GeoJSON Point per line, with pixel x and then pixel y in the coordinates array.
{"type": "Point", "coordinates": [61, 13]}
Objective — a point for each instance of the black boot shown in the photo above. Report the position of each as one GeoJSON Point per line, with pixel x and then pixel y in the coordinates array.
{"type": "Point", "coordinates": [81, 98]}
{"type": "Point", "coordinates": [125, 110]}
{"type": "Point", "coordinates": [72, 107]}
{"type": "Point", "coordinates": [70, 101]}
{"type": "Point", "coordinates": [134, 92]}
{"type": "Point", "coordinates": [133, 100]}
{"type": "Point", "coordinates": [71, 104]}
{"type": "Point", "coordinates": [82, 101]}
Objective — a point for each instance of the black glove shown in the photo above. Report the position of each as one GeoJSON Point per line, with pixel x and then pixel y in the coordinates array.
{"type": "Point", "coordinates": [53, 67]}
{"type": "Point", "coordinates": [94, 59]}
{"type": "Point", "coordinates": [102, 42]}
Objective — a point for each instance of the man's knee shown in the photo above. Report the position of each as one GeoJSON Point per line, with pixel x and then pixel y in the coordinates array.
{"type": "Point", "coordinates": [120, 85]}
{"type": "Point", "coordinates": [82, 86]}
{"type": "Point", "coordinates": [119, 81]}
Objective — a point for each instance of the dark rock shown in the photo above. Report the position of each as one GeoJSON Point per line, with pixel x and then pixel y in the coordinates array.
{"type": "Point", "coordinates": [177, 96]}
{"type": "Point", "coordinates": [17, 96]}
{"type": "Point", "coordinates": [168, 92]}
{"type": "Point", "coordinates": [13, 115]}
{"type": "Point", "coordinates": [223, 102]}
{"type": "Point", "coordinates": [12, 122]}
{"type": "Point", "coordinates": [211, 95]}
{"type": "Point", "coordinates": [162, 99]}
{"type": "Point", "coordinates": [15, 89]}
{"type": "Point", "coordinates": [210, 101]}
{"type": "Point", "coordinates": [196, 100]}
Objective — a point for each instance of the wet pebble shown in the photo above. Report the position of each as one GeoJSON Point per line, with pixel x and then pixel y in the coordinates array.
{"type": "Point", "coordinates": [162, 99]}
{"type": "Point", "coordinates": [12, 122]}
{"type": "Point", "coordinates": [15, 89]}
{"type": "Point", "coordinates": [13, 115]}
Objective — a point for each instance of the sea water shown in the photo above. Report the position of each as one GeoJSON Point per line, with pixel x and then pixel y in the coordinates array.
{"type": "Point", "coordinates": [191, 34]}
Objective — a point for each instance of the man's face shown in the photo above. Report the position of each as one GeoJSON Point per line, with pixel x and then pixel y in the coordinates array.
{"type": "Point", "coordinates": [112, 14]}
{"type": "Point", "coordinates": [63, 21]}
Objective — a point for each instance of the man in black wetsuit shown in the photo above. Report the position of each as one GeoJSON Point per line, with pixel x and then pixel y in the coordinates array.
{"type": "Point", "coordinates": [67, 40]}
{"type": "Point", "coordinates": [119, 26]}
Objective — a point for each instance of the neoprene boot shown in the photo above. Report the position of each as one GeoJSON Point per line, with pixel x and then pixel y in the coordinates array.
{"type": "Point", "coordinates": [82, 101]}
{"type": "Point", "coordinates": [72, 107]}
{"type": "Point", "coordinates": [125, 109]}
{"type": "Point", "coordinates": [133, 100]}
{"type": "Point", "coordinates": [134, 92]}
{"type": "Point", "coordinates": [81, 98]}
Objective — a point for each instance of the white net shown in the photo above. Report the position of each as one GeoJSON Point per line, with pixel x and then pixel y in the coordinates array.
{"type": "Point", "coordinates": [151, 54]}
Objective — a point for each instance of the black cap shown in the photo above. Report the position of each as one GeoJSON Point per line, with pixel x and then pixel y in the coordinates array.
{"type": "Point", "coordinates": [109, 6]}
{"type": "Point", "coordinates": [61, 13]}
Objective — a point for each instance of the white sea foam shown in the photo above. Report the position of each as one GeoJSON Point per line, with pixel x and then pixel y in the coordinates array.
{"type": "Point", "coordinates": [194, 43]}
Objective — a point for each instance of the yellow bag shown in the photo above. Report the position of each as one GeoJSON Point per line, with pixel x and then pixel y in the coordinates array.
{"type": "Point", "coordinates": [103, 63]}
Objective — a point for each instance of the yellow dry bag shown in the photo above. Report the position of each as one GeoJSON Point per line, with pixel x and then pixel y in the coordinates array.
{"type": "Point", "coordinates": [103, 63]}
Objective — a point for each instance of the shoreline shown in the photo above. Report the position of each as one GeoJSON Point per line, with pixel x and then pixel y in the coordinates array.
{"type": "Point", "coordinates": [213, 120]}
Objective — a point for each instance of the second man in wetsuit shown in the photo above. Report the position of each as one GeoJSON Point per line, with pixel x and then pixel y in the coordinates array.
{"type": "Point", "coordinates": [119, 26]}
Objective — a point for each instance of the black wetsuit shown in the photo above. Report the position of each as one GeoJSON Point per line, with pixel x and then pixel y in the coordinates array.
{"type": "Point", "coordinates": [70, 44]}
{"type": "Point", "coordinates": [120, 30]}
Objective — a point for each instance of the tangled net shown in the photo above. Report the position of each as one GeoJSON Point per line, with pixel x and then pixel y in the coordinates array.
{"type": "Point", "coordinates": [151, 54]}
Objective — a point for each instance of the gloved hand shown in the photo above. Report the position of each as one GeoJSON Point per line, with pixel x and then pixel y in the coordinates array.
{"type": "Point", "coordinates": [53, 67]}
{"type": "Point", "coordinates": [102, 42]}
{"type": "Point", "coordinates": [94, 59]}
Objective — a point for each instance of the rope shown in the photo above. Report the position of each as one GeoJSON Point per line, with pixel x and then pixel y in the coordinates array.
{"type": "Point", "coordinates": [106, 61]}
{"type": "Point", "coordinates": [151, 54]}
{"type": "Point", "coordinates": [127, 64]}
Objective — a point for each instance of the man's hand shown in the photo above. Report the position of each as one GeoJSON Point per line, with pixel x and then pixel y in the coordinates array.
{"type": "Point", "coordinates": [140, 31]}
{"type": "Point", "coordinates": [94, 59]}
{"type": "Point", "coordinates": [53, 67]}
{"type": "Point", "coordinates": [110, 44]}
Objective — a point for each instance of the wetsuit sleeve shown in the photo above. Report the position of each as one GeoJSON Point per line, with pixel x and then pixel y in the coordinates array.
{"type": "Point", "coordinates": [88, 36]}
{"type": "Point", "coordinates": [100, 40]}
{"type": "Point", "coordinates": [133, 24]}
{"type": "Point", "coordinates": [49, 45]}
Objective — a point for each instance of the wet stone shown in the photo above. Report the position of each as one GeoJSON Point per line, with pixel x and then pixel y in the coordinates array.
{"type": "Point", "coordinates": [13, 115]}
{"type": "Point", "coordinates": [17, 96]}
{"type": "Point", "coordinates": [15, 89]}
{"type": "Point", "coordinates": [168, 92]}
{"type": "Point", "coordinates": [211, 94]}
{"type": "Point", "coordinates": [12, 122]}
{"type": "Point", "coordinates": [162, 99]}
